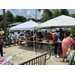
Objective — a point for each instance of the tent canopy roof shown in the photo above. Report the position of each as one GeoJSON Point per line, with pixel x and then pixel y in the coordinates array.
{"type": "Point", "coordinates": [60, 21]}
{"type": "Point", "coordinates": [16, 23]}
{"type": "Point", "coordinates": [29, 25]}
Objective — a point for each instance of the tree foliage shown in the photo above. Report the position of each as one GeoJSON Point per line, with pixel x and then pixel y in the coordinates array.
{"type": "Point", "coordinates": [47, 15]}
{"type": "Point", "coordinates": [72, 15]}
{"type": "Point", "coordinates": [73, 31]}
{"type": "Point", "coordinates": [56, 13]}
{"type": "Point", "coordinates": [18, 18]}
{"type": "Point", "coordinates": [64, 12]}
{"type": "Point", "coordinates": [9, 16]}
{"type": "Point", "coordinates": [1, 18]}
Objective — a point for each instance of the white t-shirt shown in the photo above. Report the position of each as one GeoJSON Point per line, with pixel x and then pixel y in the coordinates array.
{"type": "Point", "coordinates": [18, 36]}
{"type": "Point", "coordinates": [58, 34]}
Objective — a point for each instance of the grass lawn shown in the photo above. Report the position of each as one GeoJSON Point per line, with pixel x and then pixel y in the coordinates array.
{"type": "Point", "coordinates": [2, 32]}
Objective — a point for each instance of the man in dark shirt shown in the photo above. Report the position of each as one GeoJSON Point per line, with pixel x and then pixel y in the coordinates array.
{"type": "Point", "coordinates": [40, 35]}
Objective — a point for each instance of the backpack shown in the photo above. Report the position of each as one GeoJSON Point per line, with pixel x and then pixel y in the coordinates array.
{"type": "Point", "coordinates": [61, 36]}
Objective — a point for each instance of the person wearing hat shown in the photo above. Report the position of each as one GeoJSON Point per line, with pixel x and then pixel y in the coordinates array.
{"type": "Point", "coordinates": [1, 46]}
{"type": "Point", "coordinates": [55, 43]}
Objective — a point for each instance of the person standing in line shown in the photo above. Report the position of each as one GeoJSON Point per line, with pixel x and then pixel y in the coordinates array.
{"type": "Point", "coordinates": [40, 35]}
{"type": "Point", "coordinates": [55, 43]}
{"type": "Point", "coordinates": [9, 39]}
{"type": "Point", "coordinates": [18, 38]}
{"type": "Point", "coordinates": [67, 41]}
{"type": "Point", "coordinates": [1, 46]}
{"type": "Point", "coordinates": [49, 36]}
{"type": "Point", "coordinates": [4, 40]}
{"type": "Point", "coordinates": [13, 37]}
{"type": "Point", "coordinates": [59, 38]}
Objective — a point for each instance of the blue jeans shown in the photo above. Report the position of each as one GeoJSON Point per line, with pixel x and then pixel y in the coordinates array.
{"type": "Point", "coordinates": [55, 49]}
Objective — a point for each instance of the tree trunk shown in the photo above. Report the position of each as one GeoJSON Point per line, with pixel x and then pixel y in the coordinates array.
{"type": "Point", "coordinates": [4, 21]}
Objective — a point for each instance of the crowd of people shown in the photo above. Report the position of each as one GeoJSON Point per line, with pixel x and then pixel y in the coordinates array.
{"type": "Point", "coordinates": [62, 41]}
{"type": "Point", "coordinates": [8, 38]}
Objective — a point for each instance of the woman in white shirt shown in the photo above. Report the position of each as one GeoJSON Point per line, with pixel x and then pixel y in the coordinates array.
{"type": "Point", "coordinates": [18, 37]}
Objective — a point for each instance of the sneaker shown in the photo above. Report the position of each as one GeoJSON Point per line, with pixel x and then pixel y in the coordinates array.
{"type": "Point", "coordinates": [57, 56]}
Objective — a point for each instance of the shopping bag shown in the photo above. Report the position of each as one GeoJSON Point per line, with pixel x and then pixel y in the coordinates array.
{"type": "Point", "coordinates": [7, 61]}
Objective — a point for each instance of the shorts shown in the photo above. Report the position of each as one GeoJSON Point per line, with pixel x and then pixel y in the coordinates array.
{"type": "Point", "coordinates": [58, 45]}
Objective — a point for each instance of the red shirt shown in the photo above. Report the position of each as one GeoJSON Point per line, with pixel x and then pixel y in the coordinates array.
{"type": "Point", "coordinates": [54, 40]}
{"type": "Point", "coordinates": [49, 36]}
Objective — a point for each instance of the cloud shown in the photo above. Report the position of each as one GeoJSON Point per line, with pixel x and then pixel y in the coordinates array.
{"type": "Point", "coordinates": [29, 13]}
{"type": "Point", "coordinates": [1, 13]}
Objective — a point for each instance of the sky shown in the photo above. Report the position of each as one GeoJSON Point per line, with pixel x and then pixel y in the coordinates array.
{"type": "Point", "coordinates": [29, 13]}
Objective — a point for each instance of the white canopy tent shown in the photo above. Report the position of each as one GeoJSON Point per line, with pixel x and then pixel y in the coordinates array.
{"type": "Point", "coordinates": [29, 25]}
{"type": "Point", "coordinates": [61, 21]}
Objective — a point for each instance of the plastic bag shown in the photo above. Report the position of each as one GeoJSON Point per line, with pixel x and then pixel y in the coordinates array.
{"type": "Point", "coordinates": [7, 61]}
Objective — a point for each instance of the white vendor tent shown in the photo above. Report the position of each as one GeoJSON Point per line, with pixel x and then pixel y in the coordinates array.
{"type": "Point", "coordinates": [60, 21]}
{"type": "Point", "coordinates": [29, 25]}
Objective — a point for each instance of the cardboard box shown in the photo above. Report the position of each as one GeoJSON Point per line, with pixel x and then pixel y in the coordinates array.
{"type": "Point", "coordinates": [30, 43]}
{"type": "Point", "coordinates": [39, 46]}
{"type": "Point", "coordinates": [7, 42]}
{"type": "Point", "coordinates": [26, 39]}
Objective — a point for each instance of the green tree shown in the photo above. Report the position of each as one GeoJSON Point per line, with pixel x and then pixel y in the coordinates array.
{"type": "Point", "coordinates": [64, 12]}
{"type": "Point", "coordinates": [9, 17]}
{"type": "Point", "coordinates": [56, 13]}
{"type": "Point", "coordinates": [73, 31]}
{"type": "Point", "coordinates": [72, 15]}
{"type": "Point", "coordinates": [2, 25]}
{"type": "Point", "coordinates": [20, 18]}
{"type": "Point", "coordinates": [1, 18]}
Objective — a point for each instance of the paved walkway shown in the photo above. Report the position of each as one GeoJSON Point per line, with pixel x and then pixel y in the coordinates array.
{"type": "Point", "coordinates": [23, 53]}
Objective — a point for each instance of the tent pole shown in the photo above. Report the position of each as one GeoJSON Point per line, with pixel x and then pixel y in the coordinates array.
{"type": "Point", "coordinates": [9, 37]}
{"type": "Point", "coordinates": [34, 42]}
{"type": "Point", "coordinates": [30, 32]}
